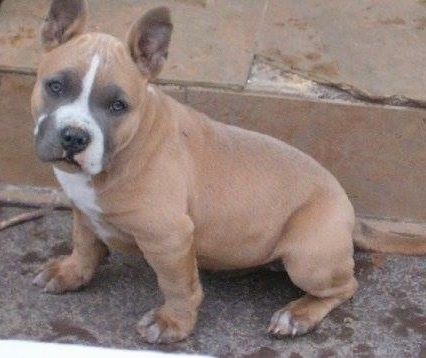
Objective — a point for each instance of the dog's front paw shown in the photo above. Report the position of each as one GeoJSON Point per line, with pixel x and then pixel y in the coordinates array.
{"type": "Point", "coordinates": [158, 327]}
{"type": "Point", "coordinates": [60, 275]}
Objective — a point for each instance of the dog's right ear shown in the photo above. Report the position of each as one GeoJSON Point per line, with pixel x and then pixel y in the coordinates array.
{"type": "Point", "coordinates": [65, 19]}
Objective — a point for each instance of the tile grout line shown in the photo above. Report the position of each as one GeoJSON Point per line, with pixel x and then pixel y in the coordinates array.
{"type": "Point", "coordinates": [255, 44]}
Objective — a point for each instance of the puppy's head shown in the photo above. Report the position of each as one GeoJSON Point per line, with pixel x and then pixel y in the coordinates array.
{"type": "Point", "coordinates": [91, 88]}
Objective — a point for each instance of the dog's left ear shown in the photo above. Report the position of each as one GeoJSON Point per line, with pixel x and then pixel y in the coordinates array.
{"type": "Point", "coordinates": [65, 19]}
{"type": "Point", "coordinates": [148, 41]}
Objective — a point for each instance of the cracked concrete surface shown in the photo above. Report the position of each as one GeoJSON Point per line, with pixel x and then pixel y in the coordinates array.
{"type": "Point", "coordinates": [386, 318]}
{"type": "Point", "coordinates": [268, 78]}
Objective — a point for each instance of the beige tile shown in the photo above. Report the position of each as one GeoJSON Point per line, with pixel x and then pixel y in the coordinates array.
{"type": "Point", "coordinates": [213, 40]}
{"type": "Point", "coordinates": [377, 153]}
{"type": "Point", "coordinates": [374, 47]}
{"type": "Point", "coordinates": [19, 25]}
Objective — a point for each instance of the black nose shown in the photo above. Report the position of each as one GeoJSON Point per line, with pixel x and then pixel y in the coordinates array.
{"type": "Point", "coordinates": [74, 140]}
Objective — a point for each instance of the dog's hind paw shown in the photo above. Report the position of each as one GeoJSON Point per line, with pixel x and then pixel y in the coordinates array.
{"type": "Point", "coordinates": [284, 324]}
{"type": "Point", "coordinates": [158, 327]}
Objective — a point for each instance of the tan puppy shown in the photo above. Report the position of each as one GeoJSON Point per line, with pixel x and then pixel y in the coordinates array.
{"type": "Point", "coordinates": [147, 173]}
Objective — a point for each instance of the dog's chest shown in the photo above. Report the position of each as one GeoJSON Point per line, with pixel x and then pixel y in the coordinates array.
{"type": "Point", "coordinates": [78, 188]}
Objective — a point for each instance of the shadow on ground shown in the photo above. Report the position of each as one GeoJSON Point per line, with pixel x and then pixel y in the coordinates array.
{"type": "Point", "coordinates": [387, 317]}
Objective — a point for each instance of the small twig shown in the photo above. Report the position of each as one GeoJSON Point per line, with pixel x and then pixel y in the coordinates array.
{"type": "Point", "coordinates": [24, 217]}
{"type": "Point", "coordinates": [22, 196]}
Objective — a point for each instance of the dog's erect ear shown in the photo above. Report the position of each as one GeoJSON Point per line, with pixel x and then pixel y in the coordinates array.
{"type": "Point", "coordinates": [65, 19]}
{"type": "Point", "coordinates": [148, 40]}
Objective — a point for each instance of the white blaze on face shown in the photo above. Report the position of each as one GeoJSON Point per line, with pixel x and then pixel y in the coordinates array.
{"type": "Point", "coordinates": [78, 114]}
{"type": "Point", "coordinates": [39, 120]}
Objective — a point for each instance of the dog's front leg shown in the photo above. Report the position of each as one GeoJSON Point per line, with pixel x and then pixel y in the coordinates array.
{"type": "Point", "coordinates": [174, 262]}
{"type": "Point", "coordinates": [68, 273]}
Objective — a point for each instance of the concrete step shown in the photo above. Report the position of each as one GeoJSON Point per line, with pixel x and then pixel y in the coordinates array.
{"type": "Point", "coordinates": [377, 152]}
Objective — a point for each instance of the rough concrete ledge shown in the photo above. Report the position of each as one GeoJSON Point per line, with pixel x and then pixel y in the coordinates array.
{"type": "Point", "coordinates": [375, 151]}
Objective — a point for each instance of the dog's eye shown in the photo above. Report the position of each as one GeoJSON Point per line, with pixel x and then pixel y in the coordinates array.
{"type": "Point", "coordinates": [118, 106]}
{"type": "Point", "coordinates": [55, 87]}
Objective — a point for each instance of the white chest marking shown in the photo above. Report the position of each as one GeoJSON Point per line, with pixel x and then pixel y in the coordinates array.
{"type": "Point", "coordinates": [78, 114]}
{"type": "Point", "coordinates": [79, 189]}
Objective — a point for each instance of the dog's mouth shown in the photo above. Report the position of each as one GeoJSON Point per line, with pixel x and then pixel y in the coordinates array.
{"type": "Point", "coordinates": [67, 163]}
{"type": "Point", "coordinates": [70, 161]}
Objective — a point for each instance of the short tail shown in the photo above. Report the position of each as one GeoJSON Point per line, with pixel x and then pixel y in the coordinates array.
{"type": "Point", "coordinates": [370, 239]}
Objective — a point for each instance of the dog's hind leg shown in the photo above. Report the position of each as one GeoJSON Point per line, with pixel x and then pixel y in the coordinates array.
{"type": "Point", "coordinates": [317, 252]}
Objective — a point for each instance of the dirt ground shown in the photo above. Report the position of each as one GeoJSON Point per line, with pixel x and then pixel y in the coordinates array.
{"type": "Point", "coordinates": [386, 318]}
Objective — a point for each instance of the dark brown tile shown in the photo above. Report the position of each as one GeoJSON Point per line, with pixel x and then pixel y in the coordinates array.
{"type": "Point", "coordinates": [377, 153]}
{"type": "Point", "coordinates": [18, 163]}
